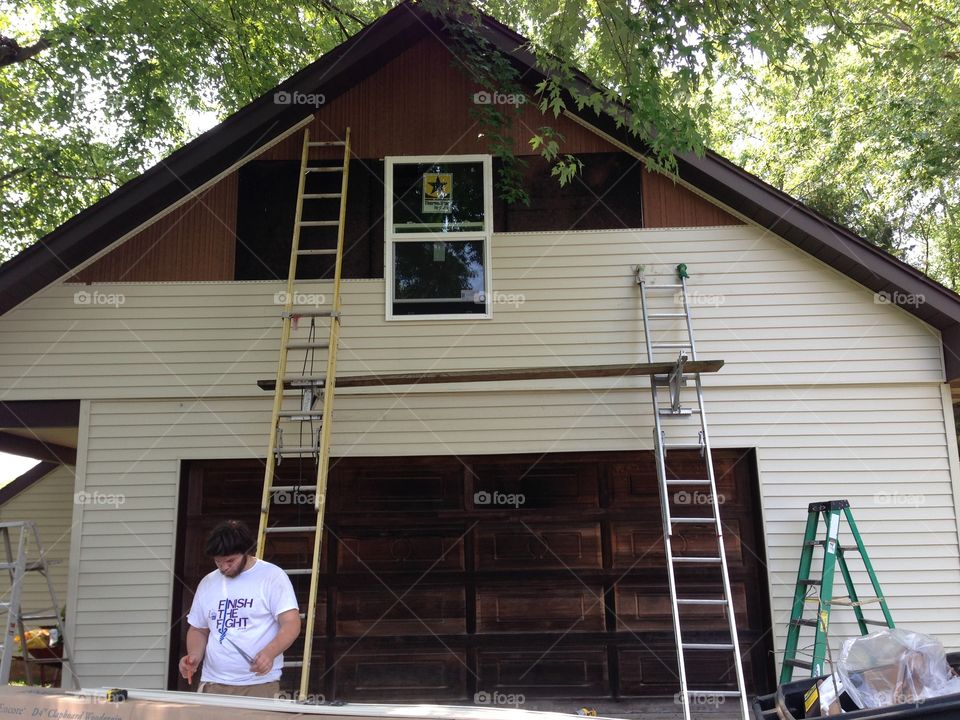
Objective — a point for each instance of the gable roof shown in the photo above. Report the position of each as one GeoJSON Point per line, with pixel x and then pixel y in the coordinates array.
{"type": "Point", "coordinates": [263, 121]}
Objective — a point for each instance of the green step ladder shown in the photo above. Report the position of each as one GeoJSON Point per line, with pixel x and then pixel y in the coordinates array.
{"type": "Point", "coordinates": [833, 553]}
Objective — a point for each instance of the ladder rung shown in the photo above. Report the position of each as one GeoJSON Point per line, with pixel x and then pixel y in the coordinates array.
{"type": "Point", "coordinates": [306, 313]}
{"type": "Point", "coordinates": [46, 661]}
{"type": "Point", "coordinates": [881, 623]}
{"type": "Point", "coordinates": [805, 623]}
{"type": "Point", "coordinates": [292, 663]}
{"type": "Point", "coordinates": [321, 196]}
{"type": "Point", "coordinates": [696, 559]}
{"type": "Point", "coordinates": [324, 168]}
{"type": "Point", "coordinates": [326, 143]}
{"type": "Point", "coordinates": [308, 450]}
{"type": "Point", "coordinates": [292, 488]}
{"type": "Point", "coordinates": [799, 663]}
{"type": "Point", "coordinates": [28, 567]}
{"type": "Point", "coordinates": [715, 693]}
{"type": "Point", "coordinates": [654, 316]}
{"type": "Point", "coordinates": [673, 286]}
{"type": "Point", "coordinates": [694, 520]}
{"type": "Point", "coordinates": [707, 646]}
{"type": "Point", "coordinates": [292, 529]}
{"type": "Point", "coordinates": [299, 571]}
{"type": "Point", "coordinates": [670, 412]}
{"type": "Point", "coordinates": [701, 601]}
{"type": "Point", "coordinates": [317, 252]}
{"type": "Point", "coordinates": [308, 345]}
{"type": "Point", "coordinates": [301, 413]}
{"type": "Point", "coordinates": [682, 446]}
{"type": "Point", "coordinates": [687, 482]}
{"type": "Point", "coordinates": [845, 600]}
{"type": "Point", "coordinates": [319, 223]}
{"type": "Point", "coordinates": [670, 345]}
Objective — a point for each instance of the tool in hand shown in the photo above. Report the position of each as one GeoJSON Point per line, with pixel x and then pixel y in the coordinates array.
{"type": "Point", "coordinates": [240, 650]}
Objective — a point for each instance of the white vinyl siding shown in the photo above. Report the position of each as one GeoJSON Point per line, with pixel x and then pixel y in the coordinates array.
{"type": "Point", "coordinates": [49, 503]}
{"type": "Point", "coordinates": [559, 298]}
{"type": "Point", "coordinates": [840, 395]}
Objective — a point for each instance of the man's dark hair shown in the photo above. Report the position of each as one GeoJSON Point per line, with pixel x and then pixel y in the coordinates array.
{"type": "Point", "coordinates": [231, 537]}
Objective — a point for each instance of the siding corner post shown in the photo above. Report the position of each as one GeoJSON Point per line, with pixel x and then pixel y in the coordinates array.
{"type": "Point", "coordinates": [76, 533]}
{"type": "Point", "coordinates": [953, 455]}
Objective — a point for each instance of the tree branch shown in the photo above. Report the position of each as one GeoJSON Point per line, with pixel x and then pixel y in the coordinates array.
{"type": "Point", "coordinates": [11, 52]}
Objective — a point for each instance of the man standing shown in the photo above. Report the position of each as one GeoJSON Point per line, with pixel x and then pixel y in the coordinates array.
{"type": "Point", "coordinates": [244, 615]}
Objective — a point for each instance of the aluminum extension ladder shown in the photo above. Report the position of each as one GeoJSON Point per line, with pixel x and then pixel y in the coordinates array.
{"type": "Point", "coordinates": [312, 396]}
{"type": "Point", "coordinates": [833, 554]}
{"type": "Point", "coordinates": [663, 336]}
{"type": "Point", "coordinates": [17, 565]}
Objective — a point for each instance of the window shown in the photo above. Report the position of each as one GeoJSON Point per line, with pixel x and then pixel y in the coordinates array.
{"type": "Point", "coordinates": [439, 221]}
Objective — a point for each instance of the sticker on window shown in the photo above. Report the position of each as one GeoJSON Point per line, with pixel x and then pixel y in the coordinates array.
{"type": "Point", "coordinates": [437, 192]}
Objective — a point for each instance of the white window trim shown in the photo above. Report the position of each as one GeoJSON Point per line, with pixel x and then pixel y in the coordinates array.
{"type": "Point", "coordinates": [485, 234]}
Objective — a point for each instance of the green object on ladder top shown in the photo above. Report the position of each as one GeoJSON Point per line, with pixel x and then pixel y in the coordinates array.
{"type": "Point", "coordinates": [833, 553]}
{"type": "Point", "coordinates": [682, 273]}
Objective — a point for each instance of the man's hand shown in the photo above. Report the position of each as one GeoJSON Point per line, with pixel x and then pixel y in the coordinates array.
{"type": "Point", "coordinates": [262, 662]}
{"type": "Point", "coordinates": [188, 666]}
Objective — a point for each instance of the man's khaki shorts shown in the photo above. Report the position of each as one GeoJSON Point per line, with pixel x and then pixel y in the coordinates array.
{"type": "Point", "coordinates": [263, 690]}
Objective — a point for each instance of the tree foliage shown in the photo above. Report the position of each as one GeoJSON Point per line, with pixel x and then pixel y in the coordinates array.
{"type": "Point", "coordinates": [874, 143]}
{"type": "Point", "coordinates": [851, 107]}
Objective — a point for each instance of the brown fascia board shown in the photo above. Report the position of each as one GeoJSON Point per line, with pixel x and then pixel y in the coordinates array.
{"type": "Point", "coordinates": [29, 478]}
{"type": "Point", "coordinates": [39, 413]}
{"type": "Point", "coordinates": [37, 449]}
{"type": "Point", "coordinates": [186, 169]}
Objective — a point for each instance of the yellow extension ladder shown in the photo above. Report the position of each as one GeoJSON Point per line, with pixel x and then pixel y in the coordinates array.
{"type": "Point", "coordinates": [307, 391]}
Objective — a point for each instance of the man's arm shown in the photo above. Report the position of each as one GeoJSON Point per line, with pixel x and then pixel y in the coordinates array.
{"type": "Point", "coordinates": [289, 630]}
{"type": "Point", "coordinates": [196, 648]}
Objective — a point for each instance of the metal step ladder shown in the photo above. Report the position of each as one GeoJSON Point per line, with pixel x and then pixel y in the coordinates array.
{"type": "Point", "coordinates": [833, 554]}
{"type": "Point", "coordinates": [312, 395]}
{"type": "Point", "coordinates": [668, 332]}
{"type": "Point", "coordinates": [18, 564]}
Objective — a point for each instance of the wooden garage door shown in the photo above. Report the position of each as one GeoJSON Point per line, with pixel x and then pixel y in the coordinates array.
{"type": "Point", "coordinates": [539, 575]}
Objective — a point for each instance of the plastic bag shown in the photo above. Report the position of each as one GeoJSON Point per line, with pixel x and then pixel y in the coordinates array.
{"type": "Point", "coordinates": [893, 666]}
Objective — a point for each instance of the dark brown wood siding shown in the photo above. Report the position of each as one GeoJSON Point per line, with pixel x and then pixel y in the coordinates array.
{"type": "Point", "coordinates": [542, 575]}
{"type": "Point", "coordinates": [668, 204]}
{"type": "Point", "coordinates": [418, 104]}
{"type": "Point", "coordinates": [194, 242]}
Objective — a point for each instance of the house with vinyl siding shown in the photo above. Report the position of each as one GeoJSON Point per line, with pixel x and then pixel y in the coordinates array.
{"type": "Point", "coordinates": [133, 337]}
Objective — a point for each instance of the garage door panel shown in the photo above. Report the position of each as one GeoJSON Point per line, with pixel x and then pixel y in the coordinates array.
{"type": "Point", "coordinates": [545, 485]}
{"type": "Point", "coordinates": [422, 610]}
{"type": "Point", "coordinates": [403, 550]}
{"type": "Point", "coordinates": [652, 670]}
{"type": "Point", "coordinates": [641, 546]}
{"type": "Point", "coordinates": [397, 487]}
{"type": "Point", "coordinates": [532, 607]}
{"type": "Point", "coordinates": [544, 671]}
{"type": "Point", "coordinates": [523, 546]}
{"type": "Point", "coordinates": [401, 674]}
{"type": "Point", "coordinates": [646, 608]}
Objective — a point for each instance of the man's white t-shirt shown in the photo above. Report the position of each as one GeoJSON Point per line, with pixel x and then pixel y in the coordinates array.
{"type": "Point", "coordinates": [243, 609]}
